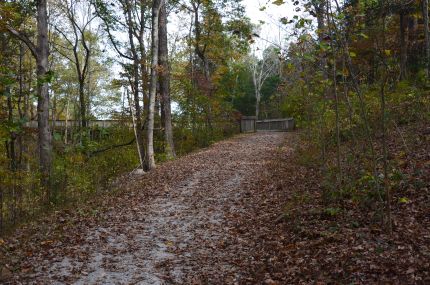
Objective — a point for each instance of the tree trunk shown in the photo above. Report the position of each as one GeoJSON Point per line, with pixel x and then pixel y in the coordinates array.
{"type": "Point", "coordinates": [135, 88]}
{"type": "Point", "coordinates": [257, 103]}
{"type": "Point", "coordinates": [426, 34]}
{"type": "Point", "coordinates": [330, 24]}
{"type": "Point", "coordinates": [320, 11]}
{"type": "Point", "coordinates": [136, 131]}
{"type": "Point", "coordinates": [150, 160]}
{"type": "Point", "coordinates": [385, 75]}
{"type": "Point", "coordinates": [11, 144]}
{"type": "Point", "coordinates": [44, 133]}
{"type": "Point", "coordinates": [82, 105]}
{"type": "Point", "coordinates": [67, 121]}
{"type": "Point", "coordinates": [41, 54]}
{"type": "Point", "coordinates": [403, 45]}
{"type": "Point", "coordinates": [163, 60]}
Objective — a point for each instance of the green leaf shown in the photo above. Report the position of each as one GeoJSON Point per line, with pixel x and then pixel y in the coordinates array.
{"type": "Point", "coordinates": [57, 136]}
{"type": "Point", "coordinates": [332, 211]}
{"type": "Point", "coordinates": [341, 16]}
{"type": "Point", "coordinates": [47, 78]}
{"type": "Point", "coordinates": [285, 21]}
{"type": "Point", "coordinates": [278, 2]}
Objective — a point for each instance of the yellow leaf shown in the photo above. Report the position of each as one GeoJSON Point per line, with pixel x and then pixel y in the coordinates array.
{"type": "Point", "coordinates": [46, 242]}
{"type": "Point", "coordinates": [403, 200]}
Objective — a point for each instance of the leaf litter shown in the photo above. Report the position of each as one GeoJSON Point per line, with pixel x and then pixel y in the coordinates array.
{"type": "Point", "coordinates": [171, 226]}
{"type": "Point", "coordinates": [243, 211]}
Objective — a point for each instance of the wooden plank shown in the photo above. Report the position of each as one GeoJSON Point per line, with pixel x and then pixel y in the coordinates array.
{"type": "Point", "coordinates": [275, 125]}
{"type": "Point", "coordinates": [75, 123]}
{"type": "Point", "coordinates": [247, 124]}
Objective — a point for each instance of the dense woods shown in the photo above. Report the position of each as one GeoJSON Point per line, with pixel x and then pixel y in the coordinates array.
{"type": "Point", "coordinates": [93, 89]}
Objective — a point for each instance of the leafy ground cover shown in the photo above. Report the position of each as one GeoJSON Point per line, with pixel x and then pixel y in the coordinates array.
{"type": "Point", "coordinates": [244, 211]}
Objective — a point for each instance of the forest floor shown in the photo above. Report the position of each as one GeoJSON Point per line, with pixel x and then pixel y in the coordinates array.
{"type": "Point", "coordinates": [243, 211]}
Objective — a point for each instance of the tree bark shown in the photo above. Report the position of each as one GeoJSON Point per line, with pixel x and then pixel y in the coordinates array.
{"type": "Point", "coordinates": [67, 121]}
{"type": "Point", "coordinates": [11, 143]}
{"type": "Point", "coordinates": [135, 85]}
{"type": "Point", "coordinates": [82, 104]}
{"type": "Point", "coordinates": [44, 133]}
{"type": "Point", "coordinates": [257, 87]}
{"type": "Point", "coordinates": [330, 24]}
{"type": "Point", "coordinates": [150, 159]}
{"type": "Point", "coordinates": [320, 7]}
{"type": "Point", "coordinates": [257, 107]}
{"type": "Point", "coordinates": [403, 45]}
{"type": "Point", "coordinates": [200, 51]}
{"type": "Point", "coordinates": [40, 51]}
{"type": "Point", "coordinates": [387, 189]}
{"type": "Point", "coordinates": [426, 34]}
{"type": "Point", "coordinates": [166, 113]}
{"type": "Point", "coordinates": [136, 131]}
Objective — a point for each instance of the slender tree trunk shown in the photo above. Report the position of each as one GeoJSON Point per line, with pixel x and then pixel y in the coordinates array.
{"type": "Point", "coordinates": [150, 159]}
{"type": "Point", "coordinates": [385, 157]}
{"type": "Point", "coordinates": [11, 143]}
{"type": "Point", "coordinates": [135, 87]}
{"type": "Point", "coordinates": [201, 53]}
{"type": "Point", "coordinates": [207, 73]}
{"type": "Point", "coordinates": [426, 34]}
{"type": "Point", "coordinates": [81, 74]}
{"type": "Point", "coordinates": [387, 189]}
{"type": "Point", "coordinates": [27, 111]}
{"type": "Point", "coordinates": [29, 106]}
{"type": "Point", "coordinates": [44, 133]}
{"type": "Point", "coordinates": [320, 8]}
{"type": "Point", "coordinates": [135, 129]}
{"type": "Point", "coordinates": [82, 105]}
{"type": "Point", "coordinates": [20, 103]}
{"type": "Point", "coordinates": [348, 101]}
{"type": "Point", "coordinates": [67, 120]}
{"type": "Point", "coordinates": [166, 113]}
{"type": "Point", "coordinates": [257, 103]}
{"type": "Point", "coordinates": [1, 204]}
{"type": "Point", "coordinates": [355, 84]}
{"type": "Point", "coordinates": [403, 45]}
{"type": "Point", "coordinates": [53, 110]}
{"type": "Point", "coordinates": [138, 115]}
{"type": "Point", "coordinates": [330, 23]}
{"type": "Point", "coordinates": [256, 81]}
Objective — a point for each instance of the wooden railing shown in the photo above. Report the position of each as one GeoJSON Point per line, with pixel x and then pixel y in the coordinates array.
{"type": "Point", "coordinates": [248, 124]}
{"type": "Point", "coordinates": [73, 124]}
{"type": "Point", "coordinates": [276, 125]}
{"type": "Point", "coordinates": [251, 124]}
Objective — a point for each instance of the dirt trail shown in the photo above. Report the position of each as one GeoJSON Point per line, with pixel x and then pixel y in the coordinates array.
{"type": "Point", "coordinates": [180, 235]}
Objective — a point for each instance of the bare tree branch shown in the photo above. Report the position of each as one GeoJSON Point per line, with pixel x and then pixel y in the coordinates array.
{"type": "Point", "coordinates": [23, 37]}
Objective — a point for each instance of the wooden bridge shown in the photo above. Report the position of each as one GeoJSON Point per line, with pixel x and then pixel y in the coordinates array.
{"type": "Point", "coordinates": [250, 124]}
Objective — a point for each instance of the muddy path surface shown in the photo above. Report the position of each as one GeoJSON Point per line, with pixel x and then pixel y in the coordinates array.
{"type": "Point", "coordinates": [175, 226]}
